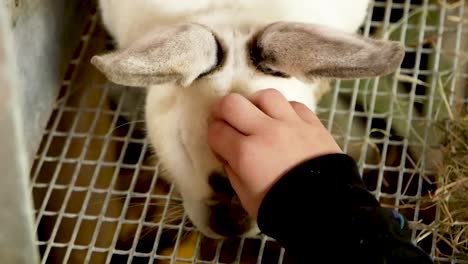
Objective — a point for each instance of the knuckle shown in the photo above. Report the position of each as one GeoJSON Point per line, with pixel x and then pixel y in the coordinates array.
{"type": "Point", "coordinates": [266, 97]}
{"type": "Point", "coordinates": [298, 105]}
{"type": "Point", "coordinates": [304, 111]}
{"type": "Point", "coordinates": [283, 132]}
{"type": "Point", "coordinates": [270, 93]}
{"type": "Point", "coordinates": [280, 131]}
{"type": "Point", "coordinates": [229, 102]}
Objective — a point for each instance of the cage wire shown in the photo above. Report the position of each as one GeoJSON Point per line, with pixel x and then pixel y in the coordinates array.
{"type": "Point", "coordinates": [99, 197]}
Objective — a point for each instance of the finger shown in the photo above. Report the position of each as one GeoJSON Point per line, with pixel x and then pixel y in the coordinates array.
{"type": "Point", "coordinates": [304, 112]}
{"type": "Point", "coordinates": [222, 139]}
{"type": "Point", "coordinates": [240, 190]}
{"type": "Point", "coordinates": [240, 113]}
{"type": "Point", "coordinates": [274, 104]}
{"type": "Point", "coordinates": [235, 180]}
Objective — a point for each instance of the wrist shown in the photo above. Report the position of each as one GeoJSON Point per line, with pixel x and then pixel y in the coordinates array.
{"type": "Point", "coordinates": [309, 181]}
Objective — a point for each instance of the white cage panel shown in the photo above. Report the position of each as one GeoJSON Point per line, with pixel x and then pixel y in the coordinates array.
{"type": "Point", "coordinates": [98, 197]}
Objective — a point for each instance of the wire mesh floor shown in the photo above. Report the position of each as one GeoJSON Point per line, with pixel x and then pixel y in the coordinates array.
{"type": "Point", "coordinates": [97, 192]}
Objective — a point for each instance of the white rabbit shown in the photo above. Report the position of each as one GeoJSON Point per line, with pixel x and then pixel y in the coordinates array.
{"type": "Point", "coordinates": [187, 54]}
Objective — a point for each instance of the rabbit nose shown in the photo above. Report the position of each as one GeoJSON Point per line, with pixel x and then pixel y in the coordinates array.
{"type": "Point", "coordinates": [227, 216]}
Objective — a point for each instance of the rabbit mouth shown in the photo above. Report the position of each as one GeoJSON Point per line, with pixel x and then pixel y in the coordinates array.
{"type": "Point", "coordinates": [229, 220]}
{"type": "Point", "coordinates": [227, 217]}
{"type": "Point", "coordinates": [223, 213]}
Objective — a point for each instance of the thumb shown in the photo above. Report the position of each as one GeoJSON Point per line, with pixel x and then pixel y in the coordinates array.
{"type": "Point", "coordinates": [235, 180]}
{"type": "Point", "coordinates": [241, 191]}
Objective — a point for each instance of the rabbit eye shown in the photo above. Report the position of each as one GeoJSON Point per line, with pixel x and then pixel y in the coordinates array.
{"type": "Point", "coordinates": [220, 57]}
{"type": "Point", "coordinates": [267, 70]}
{"type": "Point", "coordinates": [257, 58]}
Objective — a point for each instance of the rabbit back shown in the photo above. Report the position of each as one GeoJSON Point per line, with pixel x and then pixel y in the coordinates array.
{"type": "Point", "coordinates": [127, 20]}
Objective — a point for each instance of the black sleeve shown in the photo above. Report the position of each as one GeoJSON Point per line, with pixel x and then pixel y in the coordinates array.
{"type": "Point", "coordinates": [321, 209]}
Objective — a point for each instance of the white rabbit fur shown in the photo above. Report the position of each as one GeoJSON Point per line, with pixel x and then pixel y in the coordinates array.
{"type": "Point", "coordinates": [177, 109]}
{"type": "Point", "coordinates": [128, 20]}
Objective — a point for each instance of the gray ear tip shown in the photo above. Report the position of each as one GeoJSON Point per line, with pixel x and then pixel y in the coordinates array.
{"type": "Point", "coordinates": [401, 52]}
{"type": "Point", "coordinates": [100, 63]}
{"type": "Point", "coordinates": [96, 60]}
{"type": "Point", "coordinates": [399, 49]}
{"type": "Point", "coordinates": [395, 55]}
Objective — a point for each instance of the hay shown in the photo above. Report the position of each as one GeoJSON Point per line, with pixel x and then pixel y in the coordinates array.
{"type": "Point", "coordinates": [452, 195]}
{"type": "Point", "coordinates": [442, 213]}
{"type": "Point", "coordinates": [450, 227]}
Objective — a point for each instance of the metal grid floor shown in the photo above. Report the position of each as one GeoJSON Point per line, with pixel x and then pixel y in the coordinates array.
{"type": "Point", "coordinates": [99, 198]}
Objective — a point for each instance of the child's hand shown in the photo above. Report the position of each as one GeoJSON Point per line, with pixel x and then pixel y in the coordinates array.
{"type": "Point", "coordinates": [261, 138]}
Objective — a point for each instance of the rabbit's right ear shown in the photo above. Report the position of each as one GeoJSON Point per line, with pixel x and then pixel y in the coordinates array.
{"type": "Point", "coordinates": [179, 53]}
{"type": "Point", "coordinates": [311, 51]}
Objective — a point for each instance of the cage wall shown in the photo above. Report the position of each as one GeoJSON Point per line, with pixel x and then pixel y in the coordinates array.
{"type": "Point", "coordinates": [16, 218]}
{"type": "Point", "coordinates": [97, 192]}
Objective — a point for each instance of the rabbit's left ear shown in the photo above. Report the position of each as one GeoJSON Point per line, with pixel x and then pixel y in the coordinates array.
{"type": "Point", "coordinates": [180, 53]}
{"type": "Point", "coordinates": [310, 51]}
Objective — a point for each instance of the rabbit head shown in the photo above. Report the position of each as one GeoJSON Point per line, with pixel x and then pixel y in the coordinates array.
{"type": "Point", "coordinates": [186, 67]}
